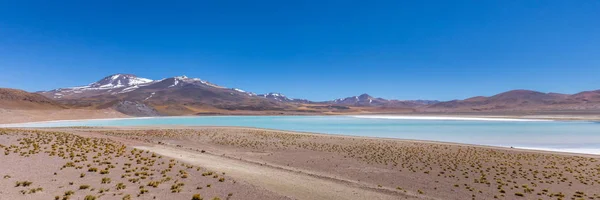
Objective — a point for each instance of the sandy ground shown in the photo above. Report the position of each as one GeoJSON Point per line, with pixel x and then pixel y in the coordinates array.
{"type": "Point", "coordinates": [282, 181]}
{"type": "Point", "coordinates": [57, 165]}
{"type": "Point", "coordinates": [21, 116]}
{"type": "Point", "coordinates": [318, 166]}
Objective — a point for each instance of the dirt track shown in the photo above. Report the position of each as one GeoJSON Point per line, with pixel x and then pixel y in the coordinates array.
{"type": "Point", "coordinates": [283, 182]}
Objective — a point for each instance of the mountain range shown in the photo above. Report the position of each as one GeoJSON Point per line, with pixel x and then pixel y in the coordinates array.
{"type": "Point", "coordinates": [183, 95]}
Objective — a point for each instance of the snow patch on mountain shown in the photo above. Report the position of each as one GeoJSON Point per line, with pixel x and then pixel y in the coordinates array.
{"type": "Point", "coordinates": [275, 96]}
{"type": "Point", "coordinates": [117, 81]}
{"type": "Point", "coordinates": [151, 95]}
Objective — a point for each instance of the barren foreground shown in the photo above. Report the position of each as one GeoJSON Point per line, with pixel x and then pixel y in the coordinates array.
{"type": "Point", "coordinates": [264, 164]}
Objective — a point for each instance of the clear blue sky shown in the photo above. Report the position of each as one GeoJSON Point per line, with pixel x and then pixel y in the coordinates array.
{"type": "Point", "coordinates": [318, 50]}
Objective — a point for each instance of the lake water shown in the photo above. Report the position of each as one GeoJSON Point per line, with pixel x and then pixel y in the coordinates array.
{"type": "Point", "coordinates": [568, 136]}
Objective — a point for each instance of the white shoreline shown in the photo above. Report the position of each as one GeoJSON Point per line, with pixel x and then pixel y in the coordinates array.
{"type": "Point", "coordinates": [590, 151]}
{"type": "Point", "coordinates": [457, 118]}
{"type": "Point", "coordinates": [405, 117]}
{"type": "Point", "coordinates": [66, 120]}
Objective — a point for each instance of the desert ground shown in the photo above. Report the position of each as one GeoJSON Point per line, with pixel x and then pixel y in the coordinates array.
{"type": "Point", "coordinates": [27, 115]}
{"type": "Point", "coordinates": [247, 163]}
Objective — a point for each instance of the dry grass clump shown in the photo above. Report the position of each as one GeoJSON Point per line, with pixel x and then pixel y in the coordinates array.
{"type": "Point", "coordinates": [84, 187]}
{"type": "Point", "coordinates": [90, 197]}
{"type": "Point", "coordinates": [106, 180]}
{"type": "Point", "coordinates": [197, 197]}
{"type": "Point", "coordinates": [121, 186]}
{"type": "Point", "coordinates": [23, 183]}
{"type": "Point", "coordinates": [176, 188]}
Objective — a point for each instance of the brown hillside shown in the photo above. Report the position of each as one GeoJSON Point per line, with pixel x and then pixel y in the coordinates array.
{"type": "Point", "coordinates": [19, 99]}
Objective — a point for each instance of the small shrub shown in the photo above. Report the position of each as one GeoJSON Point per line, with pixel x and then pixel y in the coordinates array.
{"type": "Point", "coordinates": [197, 197]}
{"type": "Point", "coordinates": [90, 197]}
{"type": "Point", "coordinates": [519, 194]}
{"type": "Point", "coordinates": [23, 183]}
{"type": "Point", "coordinates": [120, 186]}
{"type": "Point", "coordinates": [105, 180]}
{"type": "Point", "coordinates": [143, 191]}
{"type": "Point", "coordinates": [154, 184]}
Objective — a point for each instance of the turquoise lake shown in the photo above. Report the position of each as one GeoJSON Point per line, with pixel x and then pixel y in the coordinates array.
{"type": "Point", "coordinates": [568, 136]}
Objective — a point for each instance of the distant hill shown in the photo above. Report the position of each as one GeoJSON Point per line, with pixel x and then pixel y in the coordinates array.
{"type": "Point", "coordinates": [522, 100]}
{"type": "Point", "coordinates": [19, 99]}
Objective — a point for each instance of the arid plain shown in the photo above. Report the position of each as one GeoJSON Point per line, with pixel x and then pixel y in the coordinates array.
{"type": "Point", "coordinates": [246, 163]}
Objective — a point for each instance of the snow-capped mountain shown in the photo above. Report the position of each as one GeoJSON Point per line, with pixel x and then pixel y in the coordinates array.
{"type": "Point", "coordinates": [113, 84]}
{"type": "Point", "coordinates": [181, 81]}
{"type": "Point", "coordinates": [242, 91]}
{"type": "Point", "coordinates": [282, 98]}
{"type": "Point", "coordinates": [275, 96]}
{"type": "Point", "coordinates": [368, 100]}
{"type": "Point", "coordinates": [181, 95]}
{"type": "Point", "coordinates": [123, 83]}
{"type": "Point", "coordinates": [362, 100]}
{"type": "Point", "coordinates": [169, 96]}
{"type": "Point", "coordinates": [119, 81]}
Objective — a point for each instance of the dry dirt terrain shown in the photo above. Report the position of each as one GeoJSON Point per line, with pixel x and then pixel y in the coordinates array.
{"type": "Point", "coordinates": [58, 165]}
{"type": "Point", "coordinates": [276, 165]}
{"type": "Point", "coordinates": [8, 116]}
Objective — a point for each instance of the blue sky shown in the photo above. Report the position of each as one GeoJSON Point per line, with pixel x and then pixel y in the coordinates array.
{"type": "Point", "coordinates": [318, 50]}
